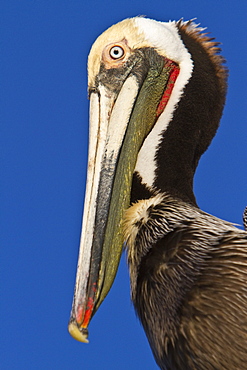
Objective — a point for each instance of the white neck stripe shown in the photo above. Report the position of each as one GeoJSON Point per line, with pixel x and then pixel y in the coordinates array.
{"type": "Point", "coordinates": [165, 38]}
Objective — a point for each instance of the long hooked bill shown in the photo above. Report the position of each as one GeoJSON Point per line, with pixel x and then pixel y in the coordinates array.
{"type": "Point", "coordinates": [118, 125]}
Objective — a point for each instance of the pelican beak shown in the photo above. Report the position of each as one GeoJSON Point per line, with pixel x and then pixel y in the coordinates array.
{"type": "Point", "coordinates": [121, 116]}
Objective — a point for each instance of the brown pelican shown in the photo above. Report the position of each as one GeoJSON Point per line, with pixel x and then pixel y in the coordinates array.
{"type": "Point", "coordinates": [157, 91]}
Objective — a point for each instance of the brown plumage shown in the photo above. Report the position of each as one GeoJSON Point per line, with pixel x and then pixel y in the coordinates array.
{"type": "Point", "coordinates": [189, 285]}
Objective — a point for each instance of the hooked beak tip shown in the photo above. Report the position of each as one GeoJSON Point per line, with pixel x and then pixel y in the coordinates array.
{"type": "Point", "coordinates": [77, 333]}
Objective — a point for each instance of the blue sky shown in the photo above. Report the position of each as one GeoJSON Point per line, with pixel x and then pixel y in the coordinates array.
{"type": "Point", "coordinates": [44, 128]}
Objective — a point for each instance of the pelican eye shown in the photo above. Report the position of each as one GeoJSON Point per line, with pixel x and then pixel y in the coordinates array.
{"type": "Point", "coordinates": [116, 52]}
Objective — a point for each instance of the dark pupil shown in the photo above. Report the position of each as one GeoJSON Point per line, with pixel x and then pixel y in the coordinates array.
{"type": "Point", "coordinates": [116, 52]}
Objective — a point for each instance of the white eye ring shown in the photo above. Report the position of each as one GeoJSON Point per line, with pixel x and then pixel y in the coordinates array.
{"type": "Point", "coordinates": [116, 52]}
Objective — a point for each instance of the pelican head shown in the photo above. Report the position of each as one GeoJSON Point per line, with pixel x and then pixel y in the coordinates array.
{"type": "Point", "coordinates": [148, 130]}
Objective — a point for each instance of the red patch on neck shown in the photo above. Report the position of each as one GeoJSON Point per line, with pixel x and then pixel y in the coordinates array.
{"type": "Point", "coordinates": [173, 68]}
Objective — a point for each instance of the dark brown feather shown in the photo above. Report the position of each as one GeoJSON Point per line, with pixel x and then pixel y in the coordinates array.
{"type": "Point", "coordinates": [190, 288]}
